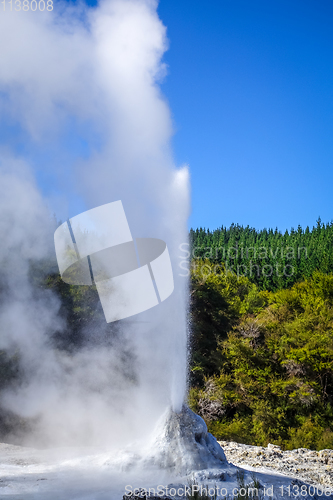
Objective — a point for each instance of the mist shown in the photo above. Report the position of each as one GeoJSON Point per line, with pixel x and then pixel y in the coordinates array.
{"type": "Point", "coordinates": [81, 85]}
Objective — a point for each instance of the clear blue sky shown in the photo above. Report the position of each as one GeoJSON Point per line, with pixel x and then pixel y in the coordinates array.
{"type": "Point", "coordinates": [250, 85]}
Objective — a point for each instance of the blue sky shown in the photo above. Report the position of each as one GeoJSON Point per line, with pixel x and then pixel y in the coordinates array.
{"type": "Point", "coordinates": [250, 86]}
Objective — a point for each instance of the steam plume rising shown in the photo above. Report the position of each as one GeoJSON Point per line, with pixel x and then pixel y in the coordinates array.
{"type": "Point", "coordinates": [81, 86]}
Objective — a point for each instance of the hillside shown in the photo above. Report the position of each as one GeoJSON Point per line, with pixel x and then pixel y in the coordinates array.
{"type": "Point", "coordinates": [261, 362]}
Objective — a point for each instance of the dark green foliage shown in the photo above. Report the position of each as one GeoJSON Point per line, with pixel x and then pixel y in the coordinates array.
{"type": "Point", "coordinates": [79, 306]}
{"type": "Point", "coordinates": [9, 374]}
{"type": "Point", "coordinates": [275, 382]}
{"type": "Point", "coordinates": [217, 302]}
{"type": "Point", "coordinates": [8, 368]}
{"type": "Point", "coordinates": [270, 259]}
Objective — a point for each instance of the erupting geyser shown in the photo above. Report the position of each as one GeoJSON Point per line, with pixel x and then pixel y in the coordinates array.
{"type": "Point", "coordinates": [182, 444]}
{"type": "Point", "coordinates": [121, 388]}
{"type": "Point", "coordinates": [100, 110]}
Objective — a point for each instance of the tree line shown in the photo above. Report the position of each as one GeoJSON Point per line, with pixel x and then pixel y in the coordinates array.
{"type": "Point", "coordinates": [269, 258]}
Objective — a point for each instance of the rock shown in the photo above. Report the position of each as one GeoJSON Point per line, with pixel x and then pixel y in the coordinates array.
{"type": "Point", "coordinates": [273, 447]}
{"type": "Point", "coordinates": [306, 465]}
{"type": "Point", "coordinates": [183, 444]}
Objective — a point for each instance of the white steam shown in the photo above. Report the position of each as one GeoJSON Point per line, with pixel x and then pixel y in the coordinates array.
{"type": "Point", "coordinates": [95, 73]}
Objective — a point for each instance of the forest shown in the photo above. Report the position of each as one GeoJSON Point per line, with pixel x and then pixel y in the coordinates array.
{"type": "Point", "coordinates": [262, 346]}
{"type": "Point", "coordinates": [269, 259]}
{"type": "Point", "coordinates": [261, 343]}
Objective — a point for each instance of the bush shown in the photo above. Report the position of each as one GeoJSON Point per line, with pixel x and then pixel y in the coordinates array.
{"type": "Point", "coordinates": [267, 376]}
{"type": "Point", "coordinates": [310, 435]}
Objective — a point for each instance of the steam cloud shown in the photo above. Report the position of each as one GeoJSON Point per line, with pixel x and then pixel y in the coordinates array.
{"type": "Point", "coordinates": [72, 80]}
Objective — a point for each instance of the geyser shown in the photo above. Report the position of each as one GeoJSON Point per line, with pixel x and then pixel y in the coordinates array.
{"type": "Point", "coordinates": [119, 384]}
{"type": "Point", "coordinates": [182, 444]}
{"type": "Point", "coordinates": [95, 123]}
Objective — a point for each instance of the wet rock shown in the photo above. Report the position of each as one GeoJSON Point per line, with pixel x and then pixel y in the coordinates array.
{"type": "Point", "coordinates": [183, 444]}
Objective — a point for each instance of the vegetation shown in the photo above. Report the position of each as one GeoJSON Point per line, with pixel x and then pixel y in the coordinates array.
{"type": "Point", "coordinates": [261, 368]}
{"type": "Point", "coordinates": [269, 259]}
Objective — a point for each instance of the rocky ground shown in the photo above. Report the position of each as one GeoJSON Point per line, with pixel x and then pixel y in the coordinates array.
{"type": "Point", "coordinates": [313, 467]}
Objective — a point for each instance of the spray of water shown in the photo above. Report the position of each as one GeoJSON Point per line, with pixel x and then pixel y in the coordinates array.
{"type": "Point", "coordinates": [80, 86]}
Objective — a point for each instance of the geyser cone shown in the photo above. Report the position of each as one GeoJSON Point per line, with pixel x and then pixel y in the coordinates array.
{"type": "Point", "coordinates": [183, 444]}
